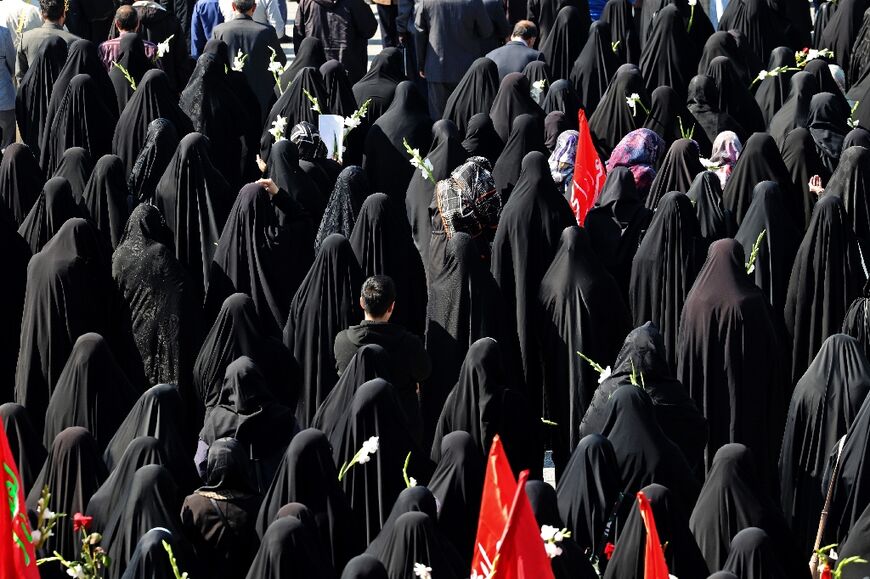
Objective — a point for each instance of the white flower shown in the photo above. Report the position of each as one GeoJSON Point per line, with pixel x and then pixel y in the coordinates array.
{"type": "Point", "coordinates": [539, 84]}
{"type": "Point", "coordinates": [428, 164]}
{"type": "Point", "coordinates": [278, 126]}
{"type": "Point", "coordinates": [363, 458]}
{"type": "Point", "coordinates": [275, 67]}
{"type": "Point", "coordinates": [239, 61]}
{"type": "Point", "coordinates": [40, 504]}
{"type": "Point", "coordinates": [692, 3]}
{"type": "Point", "coordinates": [833, 555]}
{"type": "Point", "coordinates": [604, 375]}
{"type": "Point", "coordinates": [352, 122]}
{"type": "Point", "coordinates": [36, 536]}
{"type": "Point", "coordinates": [762, 74]}
{"type": "Point", "coordinates": [77, 571]}
{"type": "Point", "coordinates": [163, 47]}
{"type": "Point", "coordinates": [422, 571]}
{"type": "Point", "coordinates": [812, 54]}
{"type": "Point", "coordinates": [553, 550]}
{"type": "Point", "coordinates": [634, 96]}
{"type": "Point", "coordinates": [370, 446]}
{"type": "Point", "coordinates": [412, 481]}
{"type": "Point", "coordinates": [49, 514]}
{"type": "Point", "coordinates": [548, 533]}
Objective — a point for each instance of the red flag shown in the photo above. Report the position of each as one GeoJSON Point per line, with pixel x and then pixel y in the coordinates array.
{"type": "Point", "coordinates": [589, 172]}
{"type": "Point", "coordinates": [499, 489]}
{"type": "Point", "coordinates": [654, 565]}
{"type": "Point", "coordinates": [521, 554]}
{"type": "Point", "coordinates": [17, 555]}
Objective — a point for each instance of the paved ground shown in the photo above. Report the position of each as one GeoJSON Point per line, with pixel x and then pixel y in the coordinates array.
{"type": "Point", "coordinates": [374, 43]}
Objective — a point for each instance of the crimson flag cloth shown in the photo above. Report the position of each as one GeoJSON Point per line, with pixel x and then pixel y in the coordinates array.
{"type": "Point", "coordinates": [654, 557]}
{"type": "Point", "coordinates": [499, 490]}
{"type": "Point", "coordinates": [589, 172]}
{"type": "Point", "coordinates": [17, 555]}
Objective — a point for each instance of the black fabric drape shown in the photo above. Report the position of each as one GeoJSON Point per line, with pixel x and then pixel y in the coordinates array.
{"type": "Point", "coordinates": [512, 100]}
{"type": "Point", "coordinates": [105, 198]}
{"type": "Point", "coordinates": [474, 94]}
{"type": "Point", "coordinates": [132, 59]}
{"type": "Point", "coordinates": [678, 169]}
{"type": "Point", "coordinates": [21, 181]}
{"type": "Point", "coordinates": [34, 91]}
{"type": "Point", "coordinates": [613, 119]}
{"type": "Point", "coordinates": [161, 141]}
{"type": "Point", "coordinates": [54, 206]}
{"type": "Point", "coordinates": [27, 450]}
{"type": "Point", "coordinates": [562, 45]}
{"type": "Point", "coordinates": [594, 67]}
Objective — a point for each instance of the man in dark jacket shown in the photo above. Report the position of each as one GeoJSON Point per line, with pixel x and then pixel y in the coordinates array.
{"type": "Point", "coordinates": [516, 54]}
{"type": "Point", "coordinates": [449, 37]}
{"type": "Point", "coordinates": [343, 26]}
{"type": "Point", "coordinates": [254, 41]}
{"type": "Point", "coordinates": [410, 364]}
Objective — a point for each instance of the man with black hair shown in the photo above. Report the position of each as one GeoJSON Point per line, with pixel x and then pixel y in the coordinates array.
{"type": "Point", "coordinates": [409, 362]}
{"type": "Point", "coordinates": [253, 40]}
{"type": "Point", "coordinates": [126, 21]}
{"type": "Point", "coordinates": [53, 18]}
{"type": "Point", "coordinates": [520, 51]}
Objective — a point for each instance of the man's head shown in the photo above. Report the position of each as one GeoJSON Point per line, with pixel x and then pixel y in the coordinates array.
{"type": "Point", "coordinates": [126, 19]}
{"type": "Point", "coordinates": [244, 6]}
{"type": "Point", "coordinates": [378, 297]}
{"type": "Point", "coordinates": [525, 31]}
{"type": "Point", "coordinates": [53, 10]}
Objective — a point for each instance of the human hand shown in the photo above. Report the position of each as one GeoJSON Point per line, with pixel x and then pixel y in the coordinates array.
{"type": "Point", "coordinates": [261, 164]}
{"type": "Point", "coordinates": [816, 185]}
{"type": "Point", "coordinates": [269, 186]}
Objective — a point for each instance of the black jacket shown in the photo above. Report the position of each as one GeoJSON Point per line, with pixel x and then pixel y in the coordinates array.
{"type": "Point", "coordinates": [513, 57]}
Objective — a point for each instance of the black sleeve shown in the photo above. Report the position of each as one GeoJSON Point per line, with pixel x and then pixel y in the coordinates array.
{"type": "Point", "coordinates": [419, 362]}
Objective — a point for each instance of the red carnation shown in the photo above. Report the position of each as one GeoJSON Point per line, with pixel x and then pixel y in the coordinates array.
{"type": "Point", "coordinates": [81, 521]}
{"type": "Point", "coordinates": [608, 550]}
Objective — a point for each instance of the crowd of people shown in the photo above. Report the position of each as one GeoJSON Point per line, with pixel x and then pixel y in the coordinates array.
{"type": "Point", "coordinates": [288, 355]}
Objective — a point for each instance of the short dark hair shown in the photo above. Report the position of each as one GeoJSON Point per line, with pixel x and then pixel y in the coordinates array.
{"type": "Point", "coordinates": [127, 18]}
{"type": "Point", "coordinates": [378, 294]}
{"type": "Point", "coordinates": [243, 5]}
{"type": "Point", "coordinates": [52, 10]}
{"type": "Point", "coordinates": [525, 29]}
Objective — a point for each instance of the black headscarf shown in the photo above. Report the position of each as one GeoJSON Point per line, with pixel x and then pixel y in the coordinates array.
{"type": "Point", "coordinates": [194, 199]}
{"type": "Point", "coordinates": [309, 53]}
{"type": "Point", "coordinates": [612, 119]}
{"type": "Point", "coordinates": [754, 556]}
{"type": "Point", "coordinates": [161, 141]}
{"type": "Point", "coordinates": [20, 182]}
{"type": "Point", "coordinates": [734, 498]}
{"type": "Point", "coordinates": [801, 157]}
{"type": "Point", "coordinates": [340, 99]}
{"type": "Point", "coordinates": [325, 304]}
{"type": "Point", "coordinates": [456, 484]}
{"type": "Point", "coordinates": [149, 560]}
{"type": "Point", "coordinates": [588, 490]}
{"type": "Point", "coordinates": [308, 475]}
{"type": "Point", "coordinates": [669, 117]}
{"type": "Point", "coordinates": [345, 201]}
{"type": "Point", "coordinates": [68, 294]}
{"type": "Point", "coordinates": [131, 57]}
{"type": "Point", "coordinates": [218, 113]}
{"type": "Point", "coordinates": [76, 166]}
{"type": "Point", "coordinates": [734, 96]}
{"type": "Point", "coordinates": [383, 245]}
{"type": "Point", "coordinates": [372, 488]}
{"type": "Point", "coordinates": [563, 98]}
{"type": "Point", "coordinates": [34, 91]}
{"type": "Point", "coordinates": [364, 566]}
{"type": "Point", "coordinates": [624, 30]}
{"type": "Point", "coordinates": [678, 170]}
{"type": "Point", "coordinates": [759, 23]}
{"type": "Point", "coordinates": [856, 544]}
{"type": "Point", "coordinates": [565, 40]}
{"type": "Point", "coordinates": [703, 104]}
{"type": "Point", "coordinates": [152, 500]}
{"type": "Point", "coordinates": [683, 557]}
{"type": "Point", "coordinates": [668, 57]}
{"type": "Point", "coordinates": [706, 194]}
{"type": "Point", "coordinates": [724, 43]}
{"type": "Point", "coordinates": [555, 124]}
{"type": "Point", "coordinates": [91, 391]}
{"type": "Point", "coordinates": [294, 105]}
{"type": "Point", "coordinates": [416, 499]}
{"type": "Point", "coordinates": [537, 72]}
{"type": "Point", "coordinates": [525, 137]}
{"type": "Point", "coordinates": [416, 539]}
{"type": "Point", "coordinates": [105, 198]}
{"type": "Point", "coordinates": [481, 140]}
{"type": "Point", "coordinates": [664, 268]}
{"type": "Point", "coordinates": [825, 403]}
{"type": "Point", "coordinates": [827, 123]}
{"type": "Point", "coordinates": [759, 161]}
{"type": "Point", "coordinates": [525, 244]}
{"type": "Point", "coordinates": [386, 160]}
{"type": "Point", "coordinates": [512, 100]}
{"type": "Point", "coordinates": [27, 450]}
{"type": "Point", "coordinates": [851, 183]}
{"type": "Point", "coordinates": [152, 100]}
{"type": "Point", "coordinates": [616, 224]}
{"type": "Point", "coordinates": [773, 91]}
{"type": "Point", "coordinates": [841, 31]}
{"type": "Point", "coordinates": [285, 171]}
{"type": "Point", "coordinates": [109, 497]}
{"type": "Point", "coordinates": [776, 252]}
{"type": "Point", "coordinates": [594, 67]}
{"type": "Point", "coordinates": [582, 311]}
{"type": "Point", "coordinates": [828, 274]}
{"type": "Point", "coordinates": [73, 471]}
{"type": "Point", "coordinates": [159, 412]}
{"type": "Point", "coordinates": [54, 206]}
{"type": "Point", "coordinates": [474, 94]}
{"type": "Point", "coordinates": [264, 251]}
{"type": "Point", "coordinates": [795, 110]}
{"type": "Point", "coordinates": [386, 71]}
{"type": "Point", "coordinates": [727, 325]}
{"type": "Point", "coordinates": [289, 549]}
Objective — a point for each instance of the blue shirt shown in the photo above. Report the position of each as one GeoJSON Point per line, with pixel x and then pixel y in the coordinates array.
{"type": "Point", "coordinates": [7, 69]}
{"type": "Point", "coordinates": [206, 15]}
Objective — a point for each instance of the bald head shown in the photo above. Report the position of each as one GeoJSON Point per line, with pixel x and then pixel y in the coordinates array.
{"type": "Point", "coordinates": [126, 19]}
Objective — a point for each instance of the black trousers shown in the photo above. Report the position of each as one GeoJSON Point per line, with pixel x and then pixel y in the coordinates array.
{"type": "Point", "coordinates": [387, 17]}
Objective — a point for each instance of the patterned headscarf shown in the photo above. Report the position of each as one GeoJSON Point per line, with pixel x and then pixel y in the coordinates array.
{"type": "Point", "coordinates": [562, 159]}
{"type": "Point", "coordinates": [307, 140]}
{"type": "Point", "coordinates": [726, 151]}
{"type": "Point", "coordinates": [639, 151]}
{"type": "Point", "coordinates": [468, 200]}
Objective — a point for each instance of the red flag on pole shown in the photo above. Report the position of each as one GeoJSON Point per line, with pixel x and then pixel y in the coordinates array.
{"type": "Point", "coordinates": [499, 489]}
{"type": "Point", "coordinates": [654, 566]}
{"type": "Point", "coordinates": [589, 172]}
{"type": "Point", "coordinates": [521, 554]}
{"type": "Point", "coordinates": [17, 555]}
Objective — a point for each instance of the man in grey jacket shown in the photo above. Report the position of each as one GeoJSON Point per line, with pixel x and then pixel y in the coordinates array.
{"type": "Point", "coordinates": [448, 39]}
{"type": "Point", "coordinates": [53, 18]}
